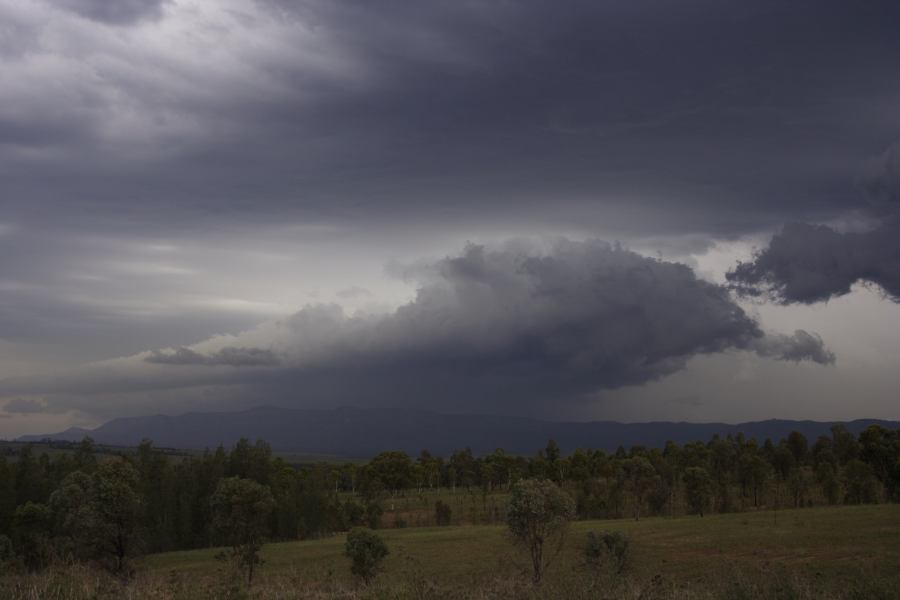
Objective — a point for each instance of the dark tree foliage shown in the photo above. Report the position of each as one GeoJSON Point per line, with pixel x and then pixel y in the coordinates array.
{"type": "Point", "coordinates": [538, 517]}
{"type": "Point", "coordinates": [697, 489]}
{"type": "Point", "coordinates": [6, 551]}
{"type": "Point", "coordinates": [91, 503]}
{"type": "Point", "coordinates": [115, 511]}
{"type": "Point", "coordinates": [240, 514]}
{"type": "Point", "coordinates": [32, 529]}
{"type": "Point", "coordinates": [442, 513]}
{"type": "Point", "coordinates": [607, 548]}
{"type": "Point", "coordinates": [366, 552]}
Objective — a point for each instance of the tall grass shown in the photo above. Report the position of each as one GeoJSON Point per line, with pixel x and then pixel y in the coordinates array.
{"type": "Point", "coordinates": [83, 583]}
{"type": "Point", "coordinates": [849, 553]}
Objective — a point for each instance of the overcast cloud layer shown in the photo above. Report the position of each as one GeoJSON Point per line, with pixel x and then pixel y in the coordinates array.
{"type": "Point", "coordinates": [179, 177]}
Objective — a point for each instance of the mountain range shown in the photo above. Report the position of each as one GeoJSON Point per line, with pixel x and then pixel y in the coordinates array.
{"type": "Point", "coordinates": [364, 432]}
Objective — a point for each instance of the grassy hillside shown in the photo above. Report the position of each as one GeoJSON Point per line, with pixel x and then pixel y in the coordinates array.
{"type": "Point", "coordinates": [837, 541]}
{"type": "Point", "coordinates": [808, 553]}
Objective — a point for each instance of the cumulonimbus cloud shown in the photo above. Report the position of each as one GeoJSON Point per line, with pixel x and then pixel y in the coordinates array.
{"type": "Point", "coordinates": [567, 319]}
{"type": "Point", "coordinates": [500, 326]}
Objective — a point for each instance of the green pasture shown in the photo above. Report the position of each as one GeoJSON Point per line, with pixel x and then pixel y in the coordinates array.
{"type": "Point", "coordinates": [831, 544]}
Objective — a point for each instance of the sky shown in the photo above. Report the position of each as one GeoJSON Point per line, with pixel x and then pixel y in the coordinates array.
{"type": "Point", "coordinates": [633, 210]}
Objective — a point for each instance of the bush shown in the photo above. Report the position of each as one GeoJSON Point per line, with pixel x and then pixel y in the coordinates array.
{"type": "Point", "coordinates": [31, 524]}
{"type": "Point", "coordinates": [442, 513]}
{"type": "Point", "coordinates": [373, 515]}
{"type": "Point", "coordinates": [354, 514]}
{"type": "Point", "coordinates": [366, 551]}
{"type": "Point", "coordinates": [607, 547]}
{"type": "Point", "coordinates": [6, 549]}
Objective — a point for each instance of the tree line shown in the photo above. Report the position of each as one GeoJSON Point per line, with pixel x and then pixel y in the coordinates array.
{"type": "Point", "coordinates": [82, 505]}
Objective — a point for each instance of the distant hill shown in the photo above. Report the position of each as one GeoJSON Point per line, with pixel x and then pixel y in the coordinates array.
{"type": "Point", "coordinates": [358, 432]}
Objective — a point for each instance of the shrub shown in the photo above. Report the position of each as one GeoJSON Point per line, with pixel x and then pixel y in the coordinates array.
{"type": "Point", "coordinates": [373, 515]}
{"type": "Point", "coordinates": [31, 524]}
{"type": "Point", "coordinates": [607, 547]}
{"type": "Point", "coordinates": [6, 549]}
{"type": "Point", "coordinates": [442, 513]}
{"type": "Point", "coordinates": [354, 514]}
{"type": "Point", "coordinates": [366, 551]}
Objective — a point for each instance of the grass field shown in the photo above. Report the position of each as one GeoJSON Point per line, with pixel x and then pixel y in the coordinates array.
{"type": "Point", "coordinates": [468, 507]}
{"type": "Point", "coordinates": [831, 545]}
{"type": "Point", "coordinates": [847, 552]}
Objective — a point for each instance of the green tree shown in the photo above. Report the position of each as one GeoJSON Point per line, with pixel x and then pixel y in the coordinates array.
{"type": "Point", "coordinates": [353, 514]}
{"type": "Point", "coordinates": [640, 477]}
{"type": "Point", "coordinates": [30, 478]}
{"type": "Point", "coordinates": [366, 551]}
{"type": "Point", "coordinates": [7, 495]}
{"type": "Point", "coordinates": [6, 550]}
{"type": "Point", "coordinates": [846, 448]}
{"type": "Point", "coordinates": [538, 516]}
{"type": "Point", "coordinates": [753, 471]}
{"type": "Point", "coordinates": [114, 513]}
{"type": "Point", "coordinates": [374, 512]}
{"type": "Point", "coordinates": [72, 509]}
{"type": "Point", "coordinates": [156, 487]}
{"type": "Point", "coordinates": [464, 468]}
{"type": "Point", "coordinates": [880, 448]}
{"type": "Point", "coordinates": [783, 461]}
{"type": "Point", "coordinates": [85, 459]}
{"type": "Point", "coordinates": [697, 489]}
{"type": "Point", "coordinates": [798, 446]}
{"type": "Point", "coordinates": [431, 467]}
{"type": "Point", "coordinates": [827, 477]}
{"type": "Point", "coordinates": [240, 516]}
{"type": "Point", "coordinates": [251, 461]}
{"type": "Point", "coordinates": [798, 485]}
{"type": "Point", "coordinates": [392, 470]}
{"type": "Point", "coordinates": [98, 516]}
{"type": "Point", "coordinates": [555, 466]}
{"type": "Point", "coordinates": [31, 527]}
{"type": "Point", "coordinates": [860, 483]}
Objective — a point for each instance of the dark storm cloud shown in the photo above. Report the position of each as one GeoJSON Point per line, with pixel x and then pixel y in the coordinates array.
{"type": "Point", "coordinates": [740, 114]}
{"type": "Point", "coordinates": [114, 12]}
{"type": "Point", "coordinates": [812, 263]}
{"type": "Point", "coordinates": [232, 357]}
{"type": "Point", "coordinates": [202, 124]}
{"type": "Point", "coordinates": [881, 180]}
{"type": "Point", "coordinates": [508, 327]}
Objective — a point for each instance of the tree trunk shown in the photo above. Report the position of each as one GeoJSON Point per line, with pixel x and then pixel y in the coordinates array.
{"type": "Point", "coordinates": [537, 562]}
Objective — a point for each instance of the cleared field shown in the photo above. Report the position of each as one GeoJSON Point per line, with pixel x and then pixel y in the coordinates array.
{"type": "Point", "coordinates": [808, 554]}
{"type": "Point", "coordinates": [829, 544]}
